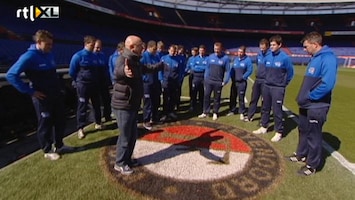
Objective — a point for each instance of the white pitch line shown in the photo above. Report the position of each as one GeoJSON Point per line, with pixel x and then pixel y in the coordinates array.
{"type": "Point", "coordinates": [335, 154]}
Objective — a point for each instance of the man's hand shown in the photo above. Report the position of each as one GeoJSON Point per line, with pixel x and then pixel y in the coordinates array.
{"type": "Point", "coordinates": [127, 70]}
{"type": "Point", "coordinates": [39, 95]}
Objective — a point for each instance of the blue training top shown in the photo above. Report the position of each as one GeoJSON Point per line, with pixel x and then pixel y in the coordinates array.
{"type": "Point", "coordinates": [149, 58]}
{"type": "Point", "coordinates": [241, 69]}
{"type": "Point", "coordinates": [319, 80]}
{"type": "Point", "coordinates": [83, 67]}
{"type": "Point", "coordinates": [216, 68]}
{"type": "Point", "coordinates": [40, 69]}
{"type": "Point", "coordinates": [260, 64]}
{"type": "Point", "coordinates": [279, 69]}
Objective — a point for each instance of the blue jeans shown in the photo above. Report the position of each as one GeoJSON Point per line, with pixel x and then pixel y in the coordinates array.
{"type": "Point", "coordinates": [127, 126]}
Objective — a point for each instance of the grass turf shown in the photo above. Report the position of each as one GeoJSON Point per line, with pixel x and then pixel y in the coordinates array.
{"type": "Point", "coordinates": [81, 175]}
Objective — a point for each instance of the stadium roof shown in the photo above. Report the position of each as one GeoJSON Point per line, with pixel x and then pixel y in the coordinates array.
{"type": "Point", "coordinates": [271, 7]}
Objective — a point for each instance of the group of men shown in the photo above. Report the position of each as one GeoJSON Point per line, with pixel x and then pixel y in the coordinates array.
{"type": "Point", "coordinates": [136, 74]}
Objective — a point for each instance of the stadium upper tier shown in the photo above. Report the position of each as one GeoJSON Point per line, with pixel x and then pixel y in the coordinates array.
{"type": "Point", "coordinates": [281, 7]}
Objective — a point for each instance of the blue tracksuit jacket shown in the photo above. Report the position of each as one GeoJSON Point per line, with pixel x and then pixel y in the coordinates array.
{"type": "Point", "coordinates": [261, 71]}
{"type": "Point", "coordinates": [279, 69]}
{"type": "Point", "coordinates": [319, 80]}
{"type": "Point", "coordinates": [83, 67]}
{"type": "Point", "coordinates": [216, 68]}
{"type": "Point", "coordinates": [39, 67]}
{"type": "Point", "coordinates": [241, 69]}
{"type": "Point", "coordinates": [112, 63]}
{"type": "Point", "coordinates": [174, 70]}
{"type": "Point", "coordinates": [148, 58]}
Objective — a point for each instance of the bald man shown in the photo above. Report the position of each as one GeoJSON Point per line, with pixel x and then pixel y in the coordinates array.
{"type": "Point", "coordinates": [126, 100]}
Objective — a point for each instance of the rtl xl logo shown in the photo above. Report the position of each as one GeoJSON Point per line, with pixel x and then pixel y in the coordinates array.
{"type": "Point", "coordinates": [34, 12]}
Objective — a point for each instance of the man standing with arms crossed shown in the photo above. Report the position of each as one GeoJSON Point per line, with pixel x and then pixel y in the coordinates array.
{"type": "Point", "coordinates": [279, 72]}
{"type": "Point", "coordinates": [314, 100]}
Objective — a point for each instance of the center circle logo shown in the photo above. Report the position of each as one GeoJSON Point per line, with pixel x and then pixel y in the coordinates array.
{"type": "Point", "coordinates": [199, 160]}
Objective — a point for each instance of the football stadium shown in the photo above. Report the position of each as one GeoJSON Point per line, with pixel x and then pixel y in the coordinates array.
{"type": "Point", "coordinates": [185, 153]}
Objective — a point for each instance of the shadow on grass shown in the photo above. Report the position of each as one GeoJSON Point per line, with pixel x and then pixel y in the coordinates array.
{"type": "Point", "coordinates": [201, 144]}
{"type": "Point", "coordinates": [98, 144]}
{"type": "Point", "coordinates": [289, 125]}
{"type": "Point", "coordinates": [334, 142]}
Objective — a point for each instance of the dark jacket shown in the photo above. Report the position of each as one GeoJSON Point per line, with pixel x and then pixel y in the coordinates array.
{"type": "Point", "coordinates": [128, 92]}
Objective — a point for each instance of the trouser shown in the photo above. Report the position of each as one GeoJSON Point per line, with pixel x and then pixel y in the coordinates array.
{"type": "Point", "coordinates": [272, 97]}
{"type": "Point", "coordinates": [51, 117]}
{"type": "Point", "coordinates": [126, 141]}
{"type": "Point", "coordinates": [104, 93]}
{"type": "Point", "coordinates": [310, 126]}
{"type": "Point", "coordinates": [85, 93]}
{"type": "Point", "coordinates": [232, 98]}
{"type": "Point", "coordinates": [171, 97]}
{"type": "Point", "coordinates": [216, 88]}
{"type": "Point", "coordinates": [151, 102]}
{"type": "Point", "coordinates": [255, 95]}
{"type": "Point", "coordinates": [197, 88]}
{"type": "Point", "coordinates": [239, 90]}
{"type": "Point", "coordinates": [191, 77]}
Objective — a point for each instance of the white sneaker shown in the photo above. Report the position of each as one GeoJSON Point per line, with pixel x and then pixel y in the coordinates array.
{"type": "Point", "coordinates": [261, 130]}
{"type": "Point", "coordinates": [215, 117]}
{"type": "Point", "coordinates": [246, 119]}
{"type": "Point", "coordinates": [52, 156]}
{"type": "Point", "coordinates": [203, 115]}
{"type": "Point", "coordinates": [241, 117]}
{"type": "Point", "coordinates": [230, 114]}
{"type": "Point", "coordinates": [277, 137]}
{"type": "Point", "coordinates": [81, 134]}
{"type": "Point", "coordinates": [98, 126]}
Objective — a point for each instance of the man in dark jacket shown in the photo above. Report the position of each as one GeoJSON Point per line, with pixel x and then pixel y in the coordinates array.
{"type": "Point", "coordinates": [126, 100]}
{"type": "Point", "coordinates": [314, 100]}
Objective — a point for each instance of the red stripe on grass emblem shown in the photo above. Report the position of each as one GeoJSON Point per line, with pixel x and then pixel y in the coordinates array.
{"type": "Point", "coordinates": [197, 136]}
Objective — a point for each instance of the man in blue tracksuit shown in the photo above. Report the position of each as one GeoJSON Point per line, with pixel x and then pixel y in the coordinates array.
{"type": "Point", "coordinates": [45, 88]}
{"type": "Point", "coordinates": [216, 72]}
{"type": "Point", "coordinates": [104, 80]}
{"type": "Point", "coordinates": [171, 77]}
{"type": "Point", "coordinates": [279, 72]}
{"type": "Point", "coordinates": [189, 64]}
{"type": "Point", "coordinates": [152, 87]}
{"type": "Point", "coordinates": [314, 100]}
{"type": "Point", "coordinates": [260, 78]}
{"type": "Point", "coordinates": [198, 67]}
{"type": "Point", "coordinates": [83, 69]}
{"type": "Point", "coordinates": [241, 69]}
{"type": "Point", "coordinates": [113, 58]}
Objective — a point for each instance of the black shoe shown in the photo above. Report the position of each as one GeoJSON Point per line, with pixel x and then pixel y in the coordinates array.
{"type": "Point", "coordinates": [295, 158]}
{"type": "Point", "coordinates": [165, 118]}
{"type": "Point", "coordinates": [306, 171]}
{"type": "Point", "coordinates": [65, 149]}
{"type": "Point", "coordinates": [108, 119]}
